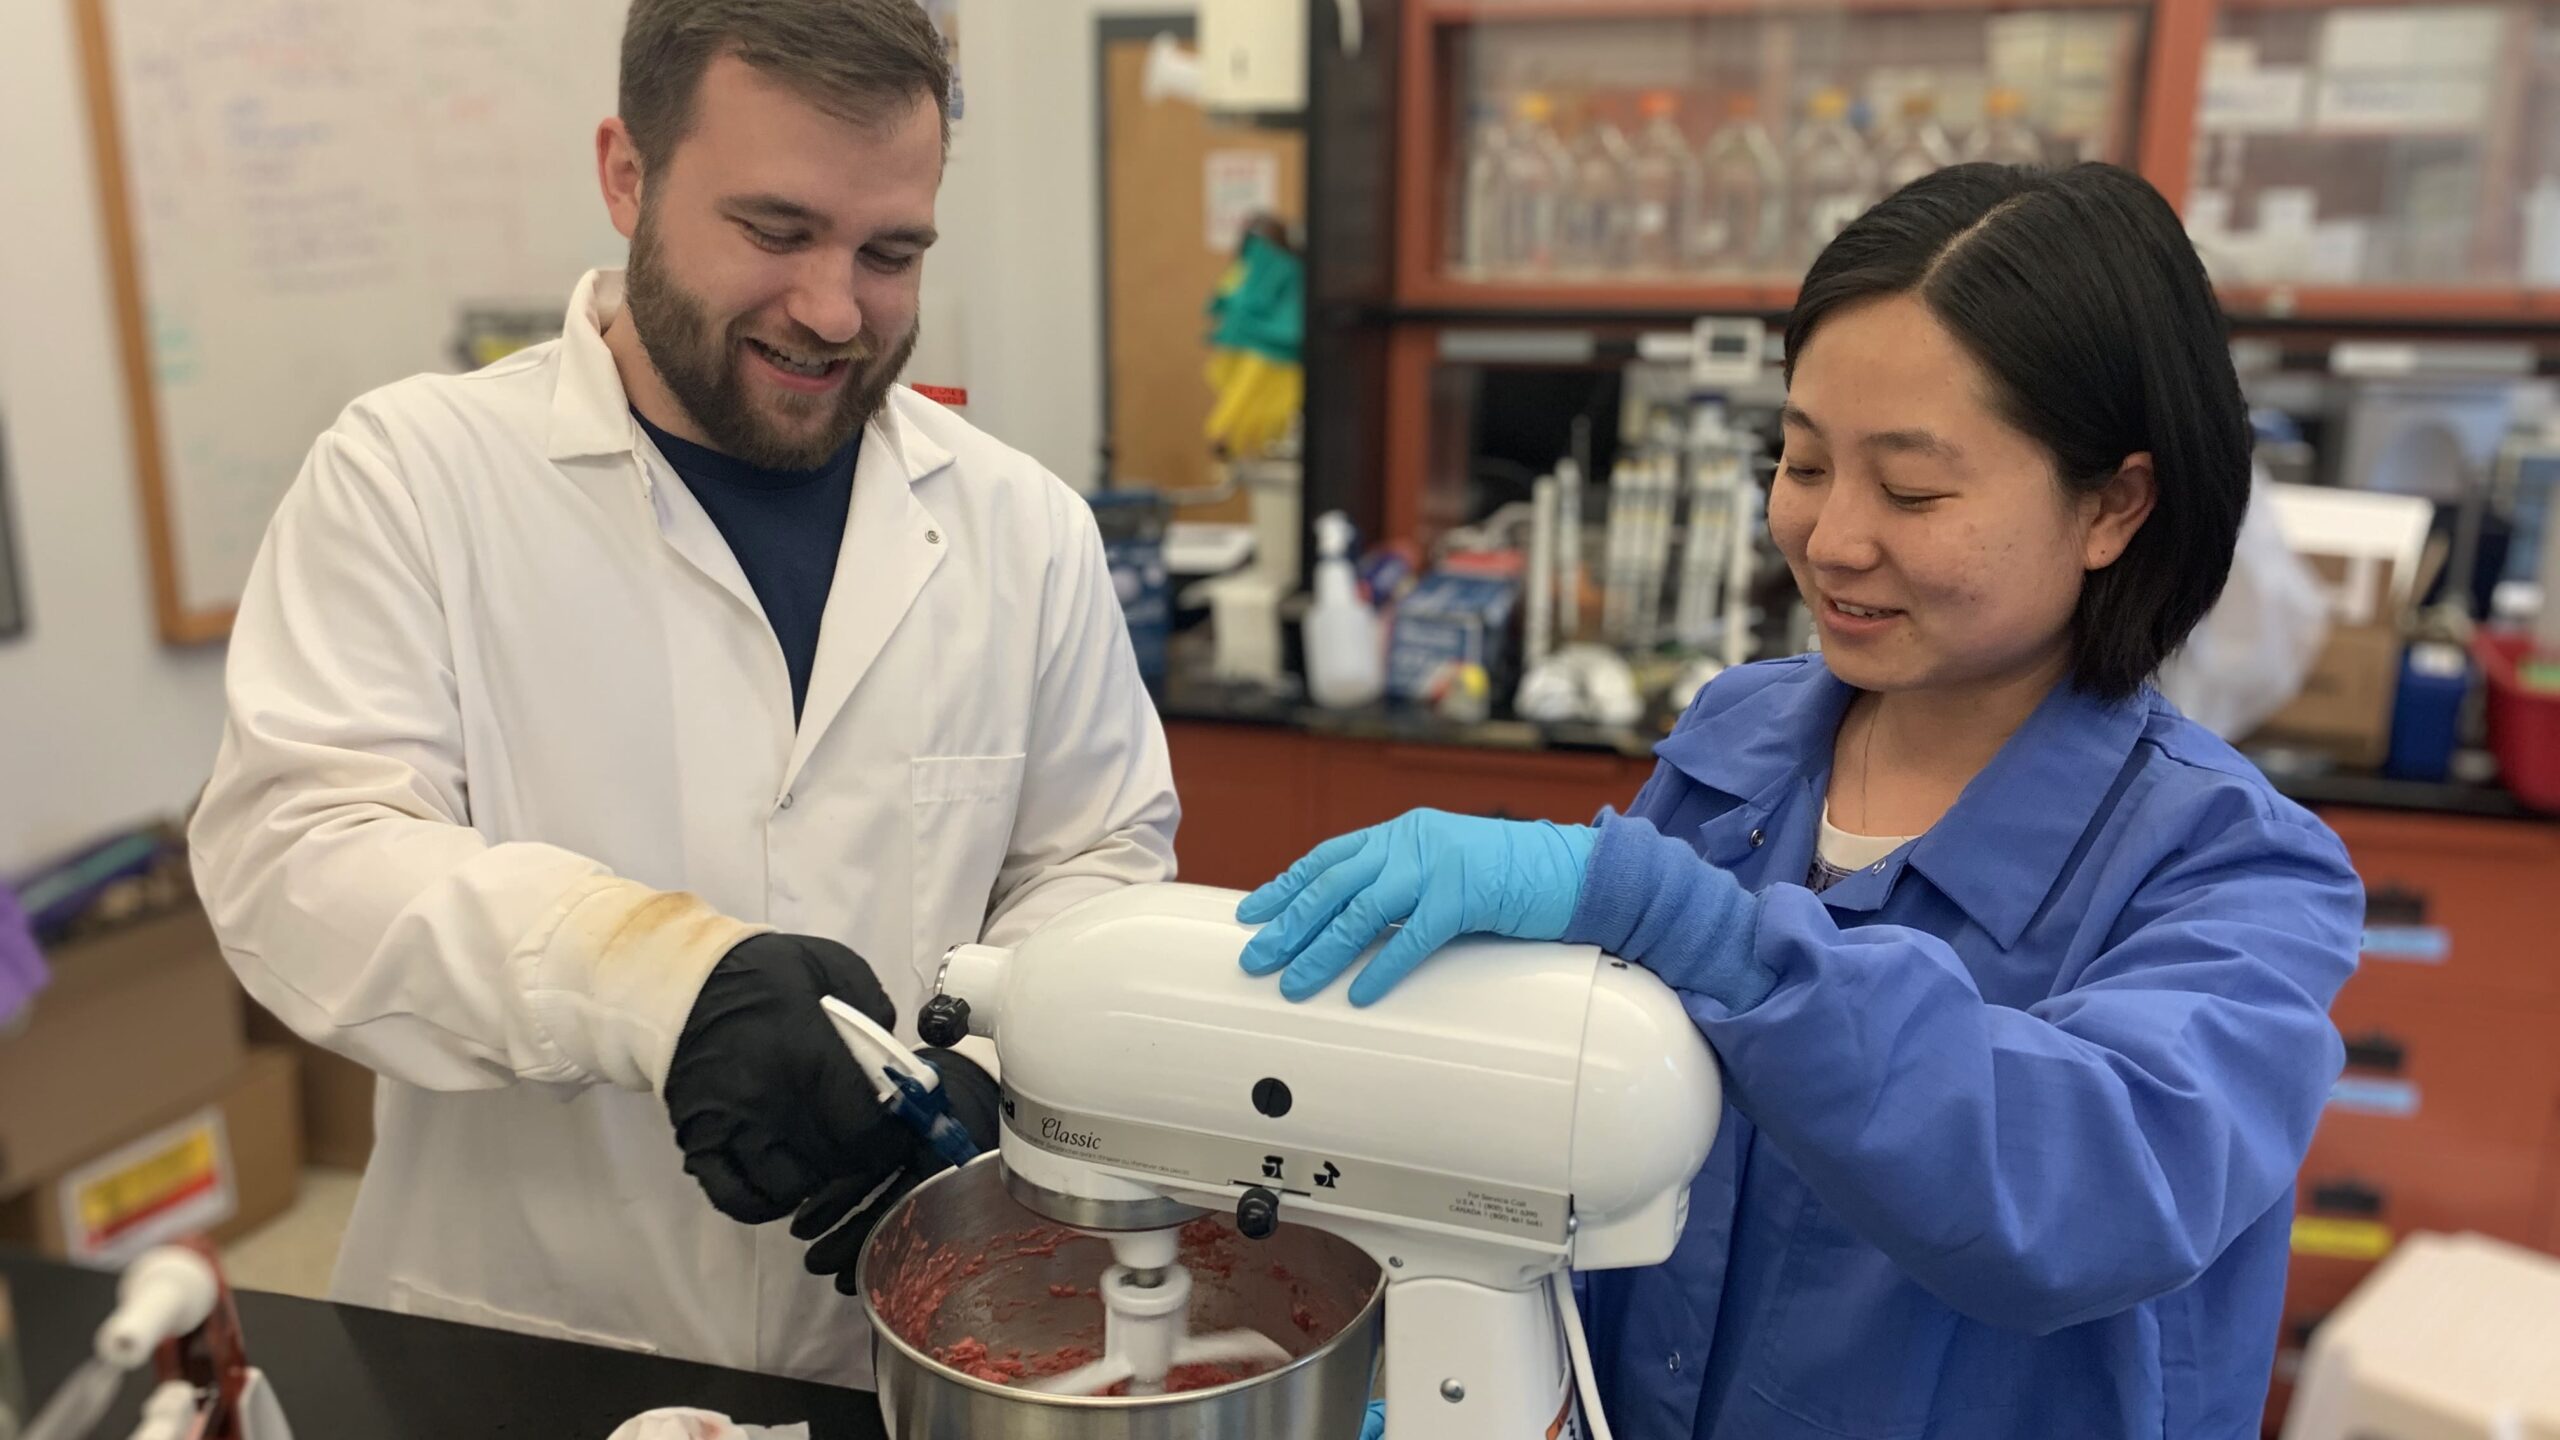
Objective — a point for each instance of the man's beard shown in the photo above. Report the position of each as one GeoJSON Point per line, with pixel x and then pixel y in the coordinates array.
{"type": "Point", "coordinates": [701, 369]}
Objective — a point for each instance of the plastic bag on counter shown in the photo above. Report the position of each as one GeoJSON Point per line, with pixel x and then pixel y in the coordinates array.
{"type": "Point", "coordinates": [2249, 657]}
{"type": "Point", "coordinates": [682, 1424]}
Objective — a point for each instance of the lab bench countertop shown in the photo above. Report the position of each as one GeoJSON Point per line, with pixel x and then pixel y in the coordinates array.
{"type": "Point", "coordinates": [348, 1371]}
{"type": "Point", "coordinates": [2306, 781]}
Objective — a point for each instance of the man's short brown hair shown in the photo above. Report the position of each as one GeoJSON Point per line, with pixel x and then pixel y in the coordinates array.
{"type": "Point", "coordinates": [863, 61]}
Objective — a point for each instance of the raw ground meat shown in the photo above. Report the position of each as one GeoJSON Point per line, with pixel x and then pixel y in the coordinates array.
{"type": "Point", "coordinates": [1209, 1250]}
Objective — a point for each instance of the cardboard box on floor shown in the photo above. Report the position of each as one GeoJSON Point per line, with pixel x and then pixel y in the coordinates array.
{"type": "Point", "coordinates": [337, 1096]}
{"type": "Point", "coordinates": [222, 1165]}
{"type": "Point", "coordinates": [136, 1023]}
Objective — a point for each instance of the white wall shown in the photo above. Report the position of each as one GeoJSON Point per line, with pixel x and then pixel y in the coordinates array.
{"type": "Point", "coordinates": [101, 725]}
{"type": "Point", "coordinates": [1022, 210]}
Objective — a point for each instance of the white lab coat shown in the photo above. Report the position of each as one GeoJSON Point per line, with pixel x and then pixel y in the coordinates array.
{"type": "Point", "coordinates": [497, 684]}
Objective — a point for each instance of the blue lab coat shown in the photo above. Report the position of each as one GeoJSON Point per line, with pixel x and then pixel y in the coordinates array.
{"type": "Point", "coordinates": [2009, 1140]}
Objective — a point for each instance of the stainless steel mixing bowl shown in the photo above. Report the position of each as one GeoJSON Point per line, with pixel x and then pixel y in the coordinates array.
{"type": "Point", "coordinates": [1321, 1297]}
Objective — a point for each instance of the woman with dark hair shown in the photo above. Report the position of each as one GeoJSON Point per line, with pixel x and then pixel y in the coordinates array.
{"type": "Point", "coordinates": [2019, 979]}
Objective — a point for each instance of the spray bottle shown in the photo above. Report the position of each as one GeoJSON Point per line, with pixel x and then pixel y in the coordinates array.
{"type": "Point", "coordinates": [1346, 666]}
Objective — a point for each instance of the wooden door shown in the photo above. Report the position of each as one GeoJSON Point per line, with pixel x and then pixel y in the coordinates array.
{"type": "Point", "coordinates": [1159, 268]}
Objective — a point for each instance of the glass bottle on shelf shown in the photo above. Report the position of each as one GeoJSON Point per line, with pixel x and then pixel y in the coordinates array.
{"type": "Point", "coordinates": [1599, 200]}
{"type": "Point", "coordinates": [2540, 242]}
{"type": "Point", "coordinates": [1916, 147]}
{"type": "Point", "coordinates": [1662, 176]}
{"type": "Point", "coordinates": [2005, 137]}
{"type": "Point", "coordinates": [2542, 229]}
{"type": "Point", "coordinates": [1536, 170]}
{"type": "Point", "coordinates": [1483, 197]}
{"type": "Point", "coordinates": [1739, 219]}
{"type": "Point", "coordinates": [1831, 178]}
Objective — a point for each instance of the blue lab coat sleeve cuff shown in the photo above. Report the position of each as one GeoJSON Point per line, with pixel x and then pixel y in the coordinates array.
{"type": "Point", "coordinates": [1649, 898]}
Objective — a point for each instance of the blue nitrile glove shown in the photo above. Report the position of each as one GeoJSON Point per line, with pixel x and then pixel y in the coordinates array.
{"type": "Point", "coordinates": [1442, 875]}
{"type": "Point", "coordinates": [1375, 1427]}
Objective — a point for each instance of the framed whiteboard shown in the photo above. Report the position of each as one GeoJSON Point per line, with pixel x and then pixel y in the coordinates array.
{"type": "Point", "coordinates": [306, 199]}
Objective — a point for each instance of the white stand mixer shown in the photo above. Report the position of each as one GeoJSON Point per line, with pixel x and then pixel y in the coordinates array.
{"type": "Point", "coordinates": [1514, 1111]}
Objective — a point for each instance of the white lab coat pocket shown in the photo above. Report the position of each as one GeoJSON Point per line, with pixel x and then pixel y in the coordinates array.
{"type": "Point", "coordinates": [962, 808]}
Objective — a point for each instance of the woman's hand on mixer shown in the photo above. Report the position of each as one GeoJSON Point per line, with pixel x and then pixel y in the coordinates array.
{"type": "Point", "coordinates": [1440, 875]}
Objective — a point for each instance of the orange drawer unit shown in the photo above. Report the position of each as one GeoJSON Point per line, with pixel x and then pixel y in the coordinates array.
{"type": "Point", "coordinates": [1369, 783]}
{"type": "Point", "coordinates": [2448, 1116]}
{"type": "Point", "coordinates": [2442, 1070]}
{"type": "Point", "coordinates": [1248, 800]}
{"type": "Point", "coordinates": [2456, 906]}
{"type": "Point", "coordinates": [2352, 1196]}
{"type": "Point", "coordinates": [2448, 1113]}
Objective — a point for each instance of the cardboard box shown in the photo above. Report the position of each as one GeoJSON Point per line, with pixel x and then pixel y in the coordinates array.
{"type": "Point", "coordinates": [2344, 707]}
{"type": "Point", "coordinates": [222, 1166]}
{"type": "Point", "coordinates": [1448, 619]}
{"type": "Point", "coordinates": [2371, 552]}
{"type": "Point", "coordinates": [337, 1096]}
{"type": "Point", "coordinates": [136, 1023]}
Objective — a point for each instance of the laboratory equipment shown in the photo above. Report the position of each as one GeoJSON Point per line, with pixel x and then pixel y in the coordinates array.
{"type": "Point", "coordinates": [174, 1312]}
{"type": "Point", "coordinates": [1586, 683]}
{"type": "Point", "coordinates": [1538, 632]}
{"type": "Point", "coordinates": [1599, 197]}
{"type": "Point", "coordinates": [1483, 197]}
{"type": "Point", "coordinates": [1450, 618]}
{"type": "Point", "coordinates": [1620, 545]}
{"type": "Point", "coordinates": [1663, 176]}
{"type": "Point", "coordinates": [1918, 146]}
{"type": "Point", "coordinates": [1515, 1110]}
{"type": "Point", "coordinates": [1653, 547]}
{"type": "Point", "coordinates": [1537, 169]}
{"type": "Point", "coordinates": [2426, 710]}
{"type": "Point", "coordinates": [1831, 177]}
{"type": "Point", "coordinates": [951, 1347]}
{"type": "Point", "coordinates": [1345, 663]}
{"type": "Point", "coordinates": [1132, 523]}
{"type": "Point", "coordinates": [1737, 210]}
{"type": "Point", "coordinates": [1712, 615]}
{"type": "Point", "coordinates": [905, 1086]}
{"type": "Point", "coordinates": [2004, 137]}
{"type": "Point", "coordinates": [1568, 551]}
{"type": "Point", "coordinates": [1244, 604]}
{"type": "Point", "coordinates": [2542, 232]}
{"type": "Point", "coordinates": [2435, 436]}
{"type": "Point", "coordinates": [1726, 351]}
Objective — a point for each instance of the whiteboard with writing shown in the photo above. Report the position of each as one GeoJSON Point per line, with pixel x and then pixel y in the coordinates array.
{"type": "Point", "coordinates": [311, 198]}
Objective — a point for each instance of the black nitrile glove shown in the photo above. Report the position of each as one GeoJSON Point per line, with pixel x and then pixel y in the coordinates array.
{"type": "Point", "coordinates": [767, 1104]}
{"type": "Point", "coordinates": [894, 1164]}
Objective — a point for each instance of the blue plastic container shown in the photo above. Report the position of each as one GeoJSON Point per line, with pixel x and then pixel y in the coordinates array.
{"type": "Point", "coordinates": [2426, 718]}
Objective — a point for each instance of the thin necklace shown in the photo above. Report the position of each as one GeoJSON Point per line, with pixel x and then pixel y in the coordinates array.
{"type": "Point", "coordinates": [1866, 760]}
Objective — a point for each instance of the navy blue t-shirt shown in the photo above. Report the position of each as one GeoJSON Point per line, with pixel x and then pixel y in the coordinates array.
{"type": "Point", "coordinates": [785, 527]}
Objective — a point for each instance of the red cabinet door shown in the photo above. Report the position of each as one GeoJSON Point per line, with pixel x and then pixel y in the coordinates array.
{"type": "Point", "coordinates": [1248, 800]}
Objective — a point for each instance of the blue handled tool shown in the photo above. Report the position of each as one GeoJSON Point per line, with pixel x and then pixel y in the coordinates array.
{"type": "Point", "coordinates": [907, 1084]}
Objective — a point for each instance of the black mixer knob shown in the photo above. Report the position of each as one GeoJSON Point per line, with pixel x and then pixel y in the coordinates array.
{"type": "Point", "coordinates": [1258, 1214]}
{"type": "Point", "coordinates": [944, 1021]}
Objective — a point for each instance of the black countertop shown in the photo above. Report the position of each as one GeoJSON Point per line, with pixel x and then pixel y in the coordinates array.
{"type": "Point", "coordinates": [2304, 779]}
{"type": "Point", "coordinates": [343, 1372]}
